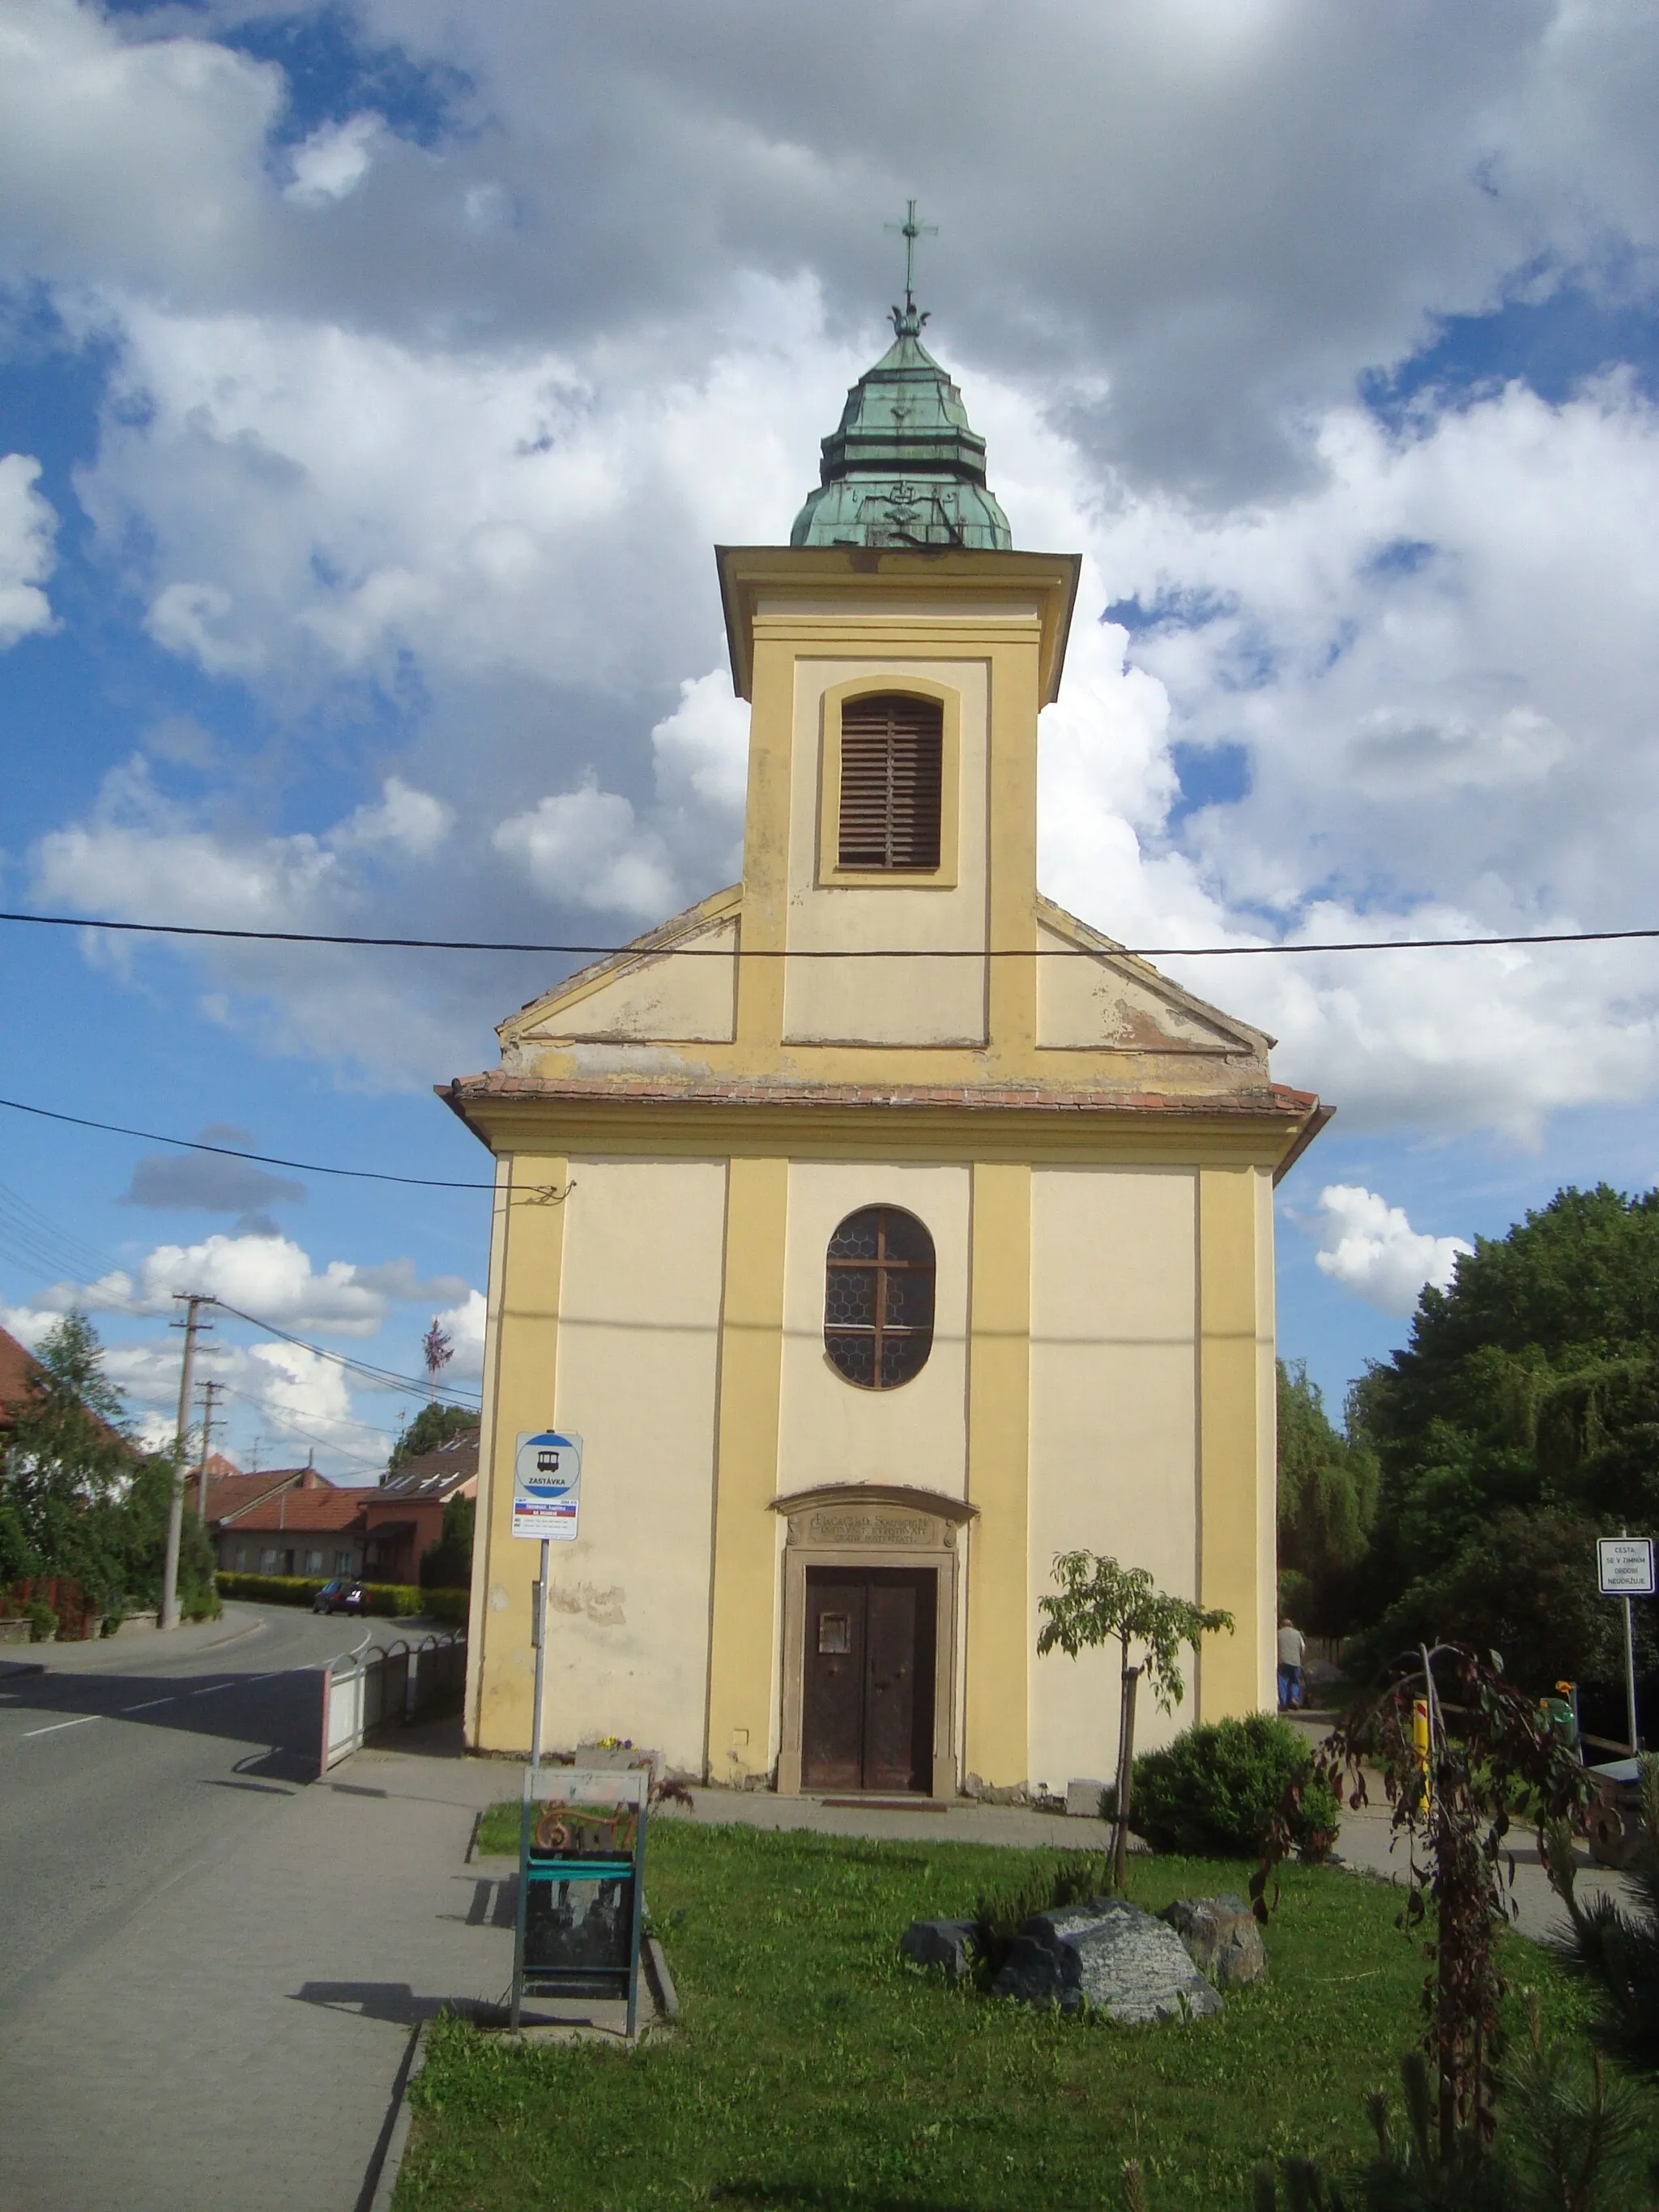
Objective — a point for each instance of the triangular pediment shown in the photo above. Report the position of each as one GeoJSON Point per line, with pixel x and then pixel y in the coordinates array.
{"type": "Point", "coordinates": [648, 992]}
{"type": "Point", "coordinates": [1116, 1001]}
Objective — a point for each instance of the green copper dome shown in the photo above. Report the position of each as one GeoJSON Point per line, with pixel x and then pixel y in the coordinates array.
{"type": "Point", "coordinates": [903, 468]}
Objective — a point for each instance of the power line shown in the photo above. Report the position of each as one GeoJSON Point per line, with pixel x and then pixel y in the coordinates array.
{"type": "Point", "coordinates": [834, 953]}
{"type": "Point", "coordinates": [230, 1152]}
{"type": "Point", "coordinates": [34, 1240]}
{"type": "Point", "coordinates": [384, 1378]}
{"type": "Point", "coordinates": [352, 1459]}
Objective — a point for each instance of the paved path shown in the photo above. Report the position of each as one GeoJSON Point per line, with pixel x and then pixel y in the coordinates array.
{"type": "Point", "coordinates": [209, 1970]}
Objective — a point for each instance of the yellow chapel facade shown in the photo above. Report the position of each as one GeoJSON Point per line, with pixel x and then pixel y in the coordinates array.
{"type": "Point", "coordinates": [882, 1230]}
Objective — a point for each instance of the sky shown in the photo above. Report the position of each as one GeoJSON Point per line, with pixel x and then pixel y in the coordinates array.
{"type": "Point", "coordinates": [375, 382]}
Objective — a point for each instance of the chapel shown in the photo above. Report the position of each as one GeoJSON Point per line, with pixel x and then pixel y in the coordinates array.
{"type": "Point", "coordinates": [882, 1229]}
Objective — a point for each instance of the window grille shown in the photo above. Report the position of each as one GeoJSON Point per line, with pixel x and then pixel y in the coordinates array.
{"type": "Point", "coordinates": [892, 763]}
{"type": "Point", "coordinates": [879, 1298]}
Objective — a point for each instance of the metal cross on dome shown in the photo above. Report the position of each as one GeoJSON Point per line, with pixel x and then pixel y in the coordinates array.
{"type": "Point", "coordinates": [910, 230]}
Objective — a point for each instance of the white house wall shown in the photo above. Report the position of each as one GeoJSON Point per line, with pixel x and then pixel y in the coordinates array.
{"type": "Point", "coordinates": [627, 1633]}
{"type": "Point", "coordinates": [830, 1430]}
{"type": "Point", "coordinates": [1113, 1426]}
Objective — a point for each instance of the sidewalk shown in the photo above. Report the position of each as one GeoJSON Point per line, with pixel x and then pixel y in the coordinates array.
{"type": "Point", "coordinates": [256, 2016]}
{"type": "Point", "coordinates": [124, 1653]}
{"type": "Point", "coordinates": [1366, 1844]}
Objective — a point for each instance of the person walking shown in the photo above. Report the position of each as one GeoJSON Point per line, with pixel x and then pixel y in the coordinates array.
{"type": "Point", "coordinates": [1292, 1646]}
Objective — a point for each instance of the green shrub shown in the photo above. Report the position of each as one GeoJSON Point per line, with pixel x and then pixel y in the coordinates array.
{"type": "Point", "coordinates": [1213, 1791]}
{"type": "Point", "coordinates": [43, 1623]}
{"type": "Point", "coordinates": [272, 1589]}
{"type": "Point", "coordinates": [391, 1600]}
{"type": "Point", "coordinates": [449, 1606]}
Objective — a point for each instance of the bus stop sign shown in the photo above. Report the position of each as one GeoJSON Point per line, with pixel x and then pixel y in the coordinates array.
{"type": "Point", "coordinates": [547, 1484]}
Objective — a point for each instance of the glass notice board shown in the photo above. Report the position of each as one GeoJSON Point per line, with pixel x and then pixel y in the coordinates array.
{"type": "Point", "coordinates": [581, 1884]}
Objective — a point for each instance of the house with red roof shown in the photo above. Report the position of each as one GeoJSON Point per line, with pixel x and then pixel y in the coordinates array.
{"type": "Point", "coordinates": [296, 1528]}
{"type": "Point", "coordinates": [405, 1518]}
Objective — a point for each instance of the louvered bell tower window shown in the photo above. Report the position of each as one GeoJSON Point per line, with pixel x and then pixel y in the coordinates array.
{"type": "Point", "coordinates": [892, 759]}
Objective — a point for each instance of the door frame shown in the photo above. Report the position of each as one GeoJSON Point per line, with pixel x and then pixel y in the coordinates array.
{"type": "Point", "coordinates": [862, 1525]}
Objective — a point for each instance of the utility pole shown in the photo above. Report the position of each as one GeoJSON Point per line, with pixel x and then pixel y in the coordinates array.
{"type": "Point", "coordinates": [209, 1391]}
{"type": "Point", "coordinates": [192, 1323]}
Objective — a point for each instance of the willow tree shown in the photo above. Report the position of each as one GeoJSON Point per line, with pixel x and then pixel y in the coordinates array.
{"type": "Point", "coordinates": [1101, 1602]}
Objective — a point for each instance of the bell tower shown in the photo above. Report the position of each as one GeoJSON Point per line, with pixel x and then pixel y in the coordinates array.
{"type": "Point", "coordinates": [896, 654]}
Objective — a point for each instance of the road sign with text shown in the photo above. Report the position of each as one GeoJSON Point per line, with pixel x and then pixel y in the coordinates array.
{"type": "Point", "coordinates": [1623, 1566]}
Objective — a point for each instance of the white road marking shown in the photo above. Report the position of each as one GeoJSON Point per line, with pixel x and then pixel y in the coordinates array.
{"type": "Point", "coordinates": [148, 1705]}
{"type": "Point", "coordinates": [212, 1688]}
{"type": "Point", "coordinates": [56, 1725]}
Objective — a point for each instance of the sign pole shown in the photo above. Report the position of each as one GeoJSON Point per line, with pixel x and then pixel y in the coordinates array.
{"type": "Point", "coordinates": [1630, 1679]}
{"type": "Point", "coordinates": [539, 1637]}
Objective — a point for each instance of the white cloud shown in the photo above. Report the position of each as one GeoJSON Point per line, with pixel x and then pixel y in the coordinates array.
{"type": "Point", "coordinates": [465, 1321]}
{"type": "Point", "coordinates": [28, 524]}
{"type": "Point", "coordinates": [1369, 1247]}
{"type": "Point", "coordinates": [333, 162]}
{"type": "Point", "coordinates": [589, 848]}
{"type": "Point", "coordinates": [585, 848]}
{"type": "Point", "coordinates": [413, 822]}
{"type": "Point", "coordinates": [701, 749]}
{"type": "Point", "coordinates": [469, 415]}
{"type": "Point", "coordinates": [29, 1324]}
{"type": "Point", "coordinates": [141, 854]}
{"type": "Point", "coordinates": [269, 1277]}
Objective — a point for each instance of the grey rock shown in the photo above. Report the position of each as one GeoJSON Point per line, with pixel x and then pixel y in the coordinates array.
{"type": "Point", "coordinates": [1083, 1799]}
{"type": "Point", "coordinates": [952, 1944]}
{"type": "Point", "coordinates": [1109, 1954]}
{"type": "Point", "coordinates": [1222, 1938]}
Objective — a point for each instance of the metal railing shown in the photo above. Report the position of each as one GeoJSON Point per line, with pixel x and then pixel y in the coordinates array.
{"type": "Point", "coordinates": [386, 1686]}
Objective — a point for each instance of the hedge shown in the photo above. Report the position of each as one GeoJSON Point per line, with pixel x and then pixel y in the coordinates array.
{"type": "Point", "coordinates": [394, 1601]}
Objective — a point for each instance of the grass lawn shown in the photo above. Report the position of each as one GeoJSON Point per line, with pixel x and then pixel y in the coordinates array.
{"type": "Point", "coordinates": [814, 2068]}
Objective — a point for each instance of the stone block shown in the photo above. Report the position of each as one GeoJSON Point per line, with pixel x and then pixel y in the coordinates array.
{"type": "Point", "coordinates": [1109, 1954]}
{"type": "Point", "coordinates": [1222, 1937]}
{"type": "Point", "coordinates": [952, 1944]}
{"type": "Point", "coordinates": [1084, 1798]}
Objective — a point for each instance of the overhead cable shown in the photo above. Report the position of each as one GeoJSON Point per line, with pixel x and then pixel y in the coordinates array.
{"type": "Point", "coordinates": [231, 1152]}
{"type": "Point", "coordinates": [384, 1378]}
{"type": "Point", "coordinates": [834, 953]}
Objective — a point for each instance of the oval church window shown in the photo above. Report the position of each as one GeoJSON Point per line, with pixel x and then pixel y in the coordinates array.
{"type": "Point", "coordinates": [879, 1298]}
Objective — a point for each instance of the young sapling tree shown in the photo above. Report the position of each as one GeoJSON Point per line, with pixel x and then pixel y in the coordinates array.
{"type": "Point", "coordinates": [1101, 1602]}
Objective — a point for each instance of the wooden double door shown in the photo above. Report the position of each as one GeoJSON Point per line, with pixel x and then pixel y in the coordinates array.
{"type": "Point", "coordinates": [867, 1681]}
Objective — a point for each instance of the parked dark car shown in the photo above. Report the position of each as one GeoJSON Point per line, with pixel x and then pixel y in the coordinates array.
{"type": "Point", "coordinates": [345, 1593]}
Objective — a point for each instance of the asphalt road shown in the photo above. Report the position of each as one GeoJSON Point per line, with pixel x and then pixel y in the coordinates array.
{"type": "Point", "coordinates": [125, 1766]}
{"type": "Point", "coordinates": [144, 1786]}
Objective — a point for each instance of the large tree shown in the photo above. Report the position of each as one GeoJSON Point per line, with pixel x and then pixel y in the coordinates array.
{"type": "Point", "coordinates": [1535, 1378]}
{"type": "Point", "coordinates": [1522, 1418]}
{"type": "Point", "coordinates": [1327, 1503]}
{"type": "Point", "coordinates": [435, 1424]}
{"type": "Point", "coordinates": [80, 1499]}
